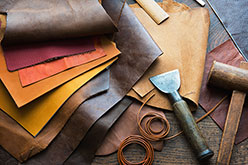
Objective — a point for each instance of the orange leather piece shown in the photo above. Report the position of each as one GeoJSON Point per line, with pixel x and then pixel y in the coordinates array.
{"type": "Point", "coordinates": [39, 72]}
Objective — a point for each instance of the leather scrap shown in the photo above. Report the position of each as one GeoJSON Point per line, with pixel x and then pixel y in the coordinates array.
{"type": "Point", "coordinates": [93, 139]}
{"type": "Point", "coordinates": [234, 17]}
{"type": "Point", "coordinates": [123, 75]}
{"type": "Point", "coordinates": [19, 94]}
{"type": "Point", "coordinates": [44, 20]}
{"type": "Point", "coordinates": [6, 158]}
{"type": "Point", "coordinates": [22, 145]}
{"type": "Point", "coordinates": [225, 53]}
{"type": "Point", "coordinates": [21, 56]}
{"type": "Point", "coordinates": [39, 72]}
{"type": "Point", "coordinates": [184, 48]}
{"type": "Point", "coordinates": [127, 126]}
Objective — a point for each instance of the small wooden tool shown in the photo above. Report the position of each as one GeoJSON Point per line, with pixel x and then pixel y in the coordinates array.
{"type": "Point", "coordinates": [201, 2]}
{"type": "Point", "coordinates": [228, 73]}
{"type": "Point", "coordinates": [153, 10]}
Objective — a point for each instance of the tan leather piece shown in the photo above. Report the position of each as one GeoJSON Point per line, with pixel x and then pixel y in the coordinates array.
{"type": "Point", "coordinates": [183, 39]}
{"type": "Point", "coordinates": [41, 20]}
{"type": "Point", "coordinates": [19, 94]}
{"type": "Point", "coordinates": [22, 145]}
{"type": "Point", "coordinates": [127, 126]}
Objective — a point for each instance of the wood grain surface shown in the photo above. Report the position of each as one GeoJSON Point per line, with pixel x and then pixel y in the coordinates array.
{"type": "Point", "coordinates": [178, 151]}
{"type": "Point", "coordinates": [231, 127]}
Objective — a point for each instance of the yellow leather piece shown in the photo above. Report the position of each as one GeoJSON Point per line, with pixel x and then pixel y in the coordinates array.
{"type": "Point", "coordinates": [34, 116]}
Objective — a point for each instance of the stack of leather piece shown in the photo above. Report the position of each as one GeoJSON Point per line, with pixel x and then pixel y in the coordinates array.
{"type": "Point", "coordinates": [68, 84]}
{"type": "Point", "coordinates": [48, 105]}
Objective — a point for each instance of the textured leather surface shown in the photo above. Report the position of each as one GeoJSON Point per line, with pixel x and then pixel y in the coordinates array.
{"type": "Point", "coordinates": [210, 96]}
{"type": "Point", "coordinates": [22, 145]}
{"type": "Point", "coordinates": [235, 18]}
{"type": "Point", "coordinates": [40, 20]}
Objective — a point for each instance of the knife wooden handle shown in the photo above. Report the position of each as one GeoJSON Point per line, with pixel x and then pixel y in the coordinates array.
{"type": "Point", "coordinates": [191, 130]}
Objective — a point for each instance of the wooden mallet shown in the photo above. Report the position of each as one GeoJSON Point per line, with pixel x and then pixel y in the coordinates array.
{"type": "Point", "coordinates": [236, 79]}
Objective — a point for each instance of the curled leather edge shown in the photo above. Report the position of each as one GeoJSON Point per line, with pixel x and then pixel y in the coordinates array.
{"type": "Point", "coordinates": [37, 28]}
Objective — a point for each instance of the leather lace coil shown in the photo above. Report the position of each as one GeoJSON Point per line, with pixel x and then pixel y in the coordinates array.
{"type": "Point", "coordinates": [149, 133]}
{"type": "Point", "coordinates": [136, 139]}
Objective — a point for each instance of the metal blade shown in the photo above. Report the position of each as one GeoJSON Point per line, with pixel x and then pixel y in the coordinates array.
{"type": "Point", "coordinates": [167, 82]}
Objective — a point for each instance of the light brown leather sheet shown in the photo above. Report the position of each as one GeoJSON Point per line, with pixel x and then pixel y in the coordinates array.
{"type": "Point", "coordinates": [183, 39]}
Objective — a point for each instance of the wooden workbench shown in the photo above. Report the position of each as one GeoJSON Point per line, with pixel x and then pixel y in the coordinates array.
{"type": "Point", "coordinates": [178, 151]}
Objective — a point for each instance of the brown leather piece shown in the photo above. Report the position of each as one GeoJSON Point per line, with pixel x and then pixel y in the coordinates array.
{"type": "Point", "coordinates": [22, 145]}
{"type": "Point", "coordinates": [127, 126]}
{"type": "Point", "coordinates": [233, 15]}
{"type": "Point", "coordinates": [86, 149]}
{"type": "Point", "coordinates": [6, 158]}
{"type": "Point", "coordinates": [123, 75]}
{"type": "Point", "coordinates": [43, 20]}
{"type": "Point", "coordinates": [184, 48]}
{"type": "Point", "coordinates": [210, 96]}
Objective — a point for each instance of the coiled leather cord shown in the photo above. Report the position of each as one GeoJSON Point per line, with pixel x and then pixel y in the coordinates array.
{"type": "Point", "coordinates": [136, 139]}
{"type": "Point", "coordinates": [147, 131]}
